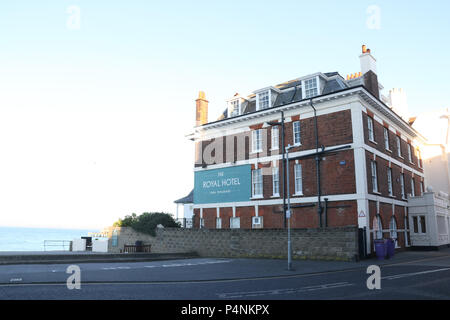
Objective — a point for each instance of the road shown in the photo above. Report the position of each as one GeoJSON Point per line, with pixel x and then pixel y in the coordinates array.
{"type": "Point", "coordinates": [427, 277]}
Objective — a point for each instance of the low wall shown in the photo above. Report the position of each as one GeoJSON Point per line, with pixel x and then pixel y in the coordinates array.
{"type": "Point", "coordinates": [339, 243]}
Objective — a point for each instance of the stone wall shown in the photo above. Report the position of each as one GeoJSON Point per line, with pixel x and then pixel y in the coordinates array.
{"type": "Point", "coordinates": [339, 243]}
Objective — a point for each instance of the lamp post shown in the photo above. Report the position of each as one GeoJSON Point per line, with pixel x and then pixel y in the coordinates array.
{"type": "Point", "coordinates": [288, 212]}
{"type": "Point", "coordinates": [281, 124]}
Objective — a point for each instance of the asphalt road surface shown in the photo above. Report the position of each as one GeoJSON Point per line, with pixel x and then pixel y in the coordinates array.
{"type": "Point", "coordinates": [230, 279]}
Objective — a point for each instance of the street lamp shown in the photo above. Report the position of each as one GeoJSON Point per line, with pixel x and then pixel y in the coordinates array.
{"type": "Point", "coordinates": [281, 124]}
{"type": "Point", "coordinates": [288, 212]}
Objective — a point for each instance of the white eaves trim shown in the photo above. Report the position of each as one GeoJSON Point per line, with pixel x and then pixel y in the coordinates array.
{"type": "Point", "coordinates": [270, 111]}
{"type": "Point", "coordinates": [331, 198]}
{"type": "Point", "coordinates": [390, 114]}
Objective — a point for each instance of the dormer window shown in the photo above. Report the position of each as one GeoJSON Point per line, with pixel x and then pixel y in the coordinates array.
{"type": "Point", "coordinates": [265, 97]}
{"type": "Point", "coordinates": [234, 108]}
{"type": "Point", "coordinates": [263, 100]}
{"type": "Point", "coordinates": [311, 88]}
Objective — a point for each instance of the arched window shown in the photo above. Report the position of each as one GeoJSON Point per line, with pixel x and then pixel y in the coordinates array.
{"type": "Point", "coordinates": [377, 227]}
{"type": "Point", "coordinates": [393, 228]}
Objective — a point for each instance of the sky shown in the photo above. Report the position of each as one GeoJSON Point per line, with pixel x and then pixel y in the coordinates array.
{"type": "Point", "coordinates": [97, 97]}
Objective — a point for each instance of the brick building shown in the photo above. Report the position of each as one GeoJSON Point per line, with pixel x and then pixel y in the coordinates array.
{"type": "Point", "coordinates": [352, 159]}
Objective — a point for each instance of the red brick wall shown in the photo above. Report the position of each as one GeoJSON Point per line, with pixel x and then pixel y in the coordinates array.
{"type": "Point", "coordinates": [334, 129]}
{"type": "Point", "coordinates": [337, 172]}
{"type": "Point", "coordinates": [226, 214]}
{"type": "Point", "coordinates": [379, 145]}
{"type": "Point", "coordinates": [382, 168]}
{"type": "Point", "coordinates": [272, 217]}
{"type": "Point", "coordinates": [346, 216]}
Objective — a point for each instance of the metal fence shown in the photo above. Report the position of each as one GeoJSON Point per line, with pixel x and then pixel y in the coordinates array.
{"type": "Point", "coordinates": [63, 245]}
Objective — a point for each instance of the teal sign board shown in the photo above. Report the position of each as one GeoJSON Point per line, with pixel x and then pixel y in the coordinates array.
{"type": "Point", "coordinates": [232, 184]}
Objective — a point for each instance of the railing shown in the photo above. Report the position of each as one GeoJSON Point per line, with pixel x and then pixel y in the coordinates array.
{"type": "Point", "coordinates": [61, 244]}
{"type": "Point", "coordinates": [127, 248]}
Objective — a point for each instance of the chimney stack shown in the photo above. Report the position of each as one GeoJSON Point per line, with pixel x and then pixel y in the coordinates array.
{"type": "Point", "coordinates": [201, 109]}
{"type": "Point", "coordinates": [369, 71]}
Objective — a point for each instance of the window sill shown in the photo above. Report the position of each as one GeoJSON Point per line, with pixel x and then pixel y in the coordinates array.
{"type": "Point", "coordinates": [256, 151]}
{"type": "Point", "coordinates": [297, 195]}
{"type": "Point", "coordinates": [297, 145]}
{"type": "Point", "coordinates": [411, 163]}
{"type": "Point", "coordinates": [275, 196]}
{"type": "Point", "coordinates": [274, 149]}
{"type": "Point", "coordinates": [256, 197]}
{"type": "Point", "coordinates": [376, 192]}
{"type": "Point", "coordinates": [373, 141]}
{"type": "Point", "coordinates": [401, 157]}
{"type": "Point", "coordinates": [389, 150]}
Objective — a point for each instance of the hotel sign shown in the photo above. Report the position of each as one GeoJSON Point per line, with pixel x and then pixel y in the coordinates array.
{"type": "Point", "coordinates": [232, 184]}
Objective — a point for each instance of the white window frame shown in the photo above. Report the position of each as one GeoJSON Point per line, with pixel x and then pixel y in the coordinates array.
{"type": "Point", "coordinates": [377, 227]}
{"type": "Point", "coordinates": [276, 182]}
{"type": "Point", "coordinates": [413, 187]}
{"type": "Point", "coordinates": [399, 146]}
{"type": "Point", "coordinates": [409, 153]}
{"type": "Point", "coordinates": [294, 135]}
{"type": "Point", "coordinates": [257, 145]}
{"type": "Point", "coordinates": [373, 168]}
{"type": "Point", "coordinates": [390, 187]}
{"type": "Point", "coordinates": [275, 138]}
{"type": "Point", "coordinates": [402, 185]}
{"type": "Point", "coordinates": [309, 90]}
{"type": "Point", "coordinates": [257, 183]}
{"type": "Point", "coordinates": [298, 179]}
{"type": "Point", "coordinates": [370, 128]}
{"type": "Point", "coordinates": [234, 112]}
{"type": "Point", "coordinates": [202, 223]}
{"type": "Point", "coordinates": [419, 158]}
{"type": "Point", "coordinates": [421, 188]}
{"type": "Point", "coordinates": [259, 103]}
{"type": "Point", "coordinates": [257, 225]}
{"type": "Point", "coordinates": [386, 138]}
{"type": "Point", "coordinates": [235, 222]}
{"type": "Point", "coordinates": [393, 230]}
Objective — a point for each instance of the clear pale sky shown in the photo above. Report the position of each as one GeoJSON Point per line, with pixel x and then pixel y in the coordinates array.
{"type": "Point", "coordinates": [93, 115]}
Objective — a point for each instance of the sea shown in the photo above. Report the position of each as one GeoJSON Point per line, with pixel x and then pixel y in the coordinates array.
{"type": "Point", "coordinates": [32, 239]}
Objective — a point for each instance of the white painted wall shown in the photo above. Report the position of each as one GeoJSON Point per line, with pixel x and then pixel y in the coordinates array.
{"type": "Point", "coordinates": [435, 209]}
{"type": "Point", "coordinates": [79, 245]}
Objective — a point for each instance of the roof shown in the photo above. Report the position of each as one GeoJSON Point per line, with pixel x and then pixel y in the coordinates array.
{"type": "Point", "coordinates": [291, 91]}
{"type": "Point", "coordinates": [188, 199]}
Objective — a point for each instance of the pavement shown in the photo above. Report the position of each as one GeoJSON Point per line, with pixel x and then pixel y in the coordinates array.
{"type": "Point", "coordinates": [53, 257]}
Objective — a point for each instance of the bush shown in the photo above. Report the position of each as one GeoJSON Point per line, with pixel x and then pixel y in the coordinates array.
{"type": "Point", "coordinates": [148, 221]}
{"type": "Point", "coordinates": [128, 221]}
